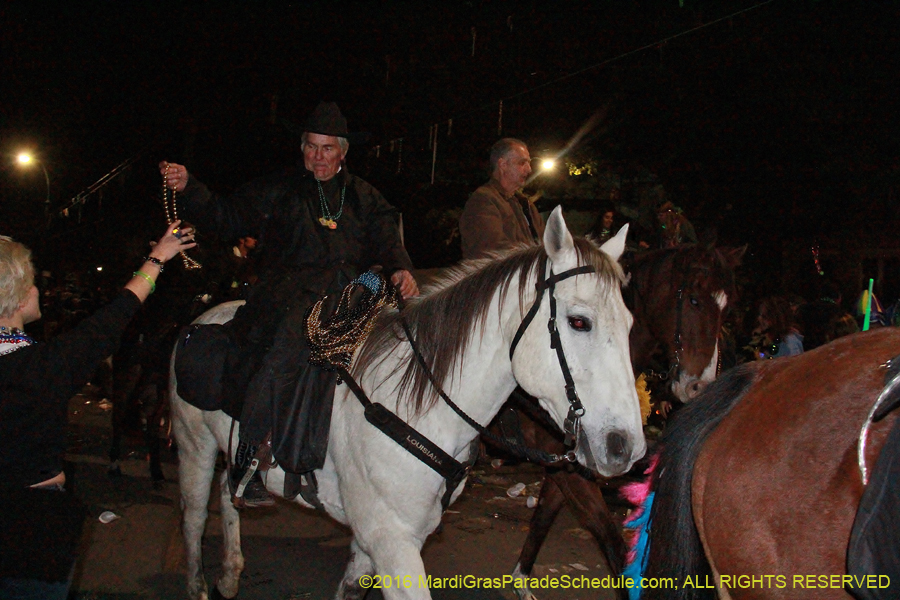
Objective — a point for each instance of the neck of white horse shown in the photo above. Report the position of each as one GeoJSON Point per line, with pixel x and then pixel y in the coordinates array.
{"type": "Point", "coordinates": [484, 380]}
{"type": "Point", "coordinates": [479, 383]}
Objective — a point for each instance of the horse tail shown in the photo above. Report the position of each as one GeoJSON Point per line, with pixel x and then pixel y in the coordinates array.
{"type": "Point", "coordinates": [675, 548]}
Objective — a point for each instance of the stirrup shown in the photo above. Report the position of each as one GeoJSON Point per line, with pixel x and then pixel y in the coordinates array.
{"type": "Point", "coordinates": [258, 495]}
{"type": "Point", "coordinates": [237, 498]}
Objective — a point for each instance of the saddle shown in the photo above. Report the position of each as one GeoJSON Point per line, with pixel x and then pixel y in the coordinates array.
{"type": "Point", "coordinates": [875, 538]}
{"type": "Point", "coordinates": [201, 355]}
{"type": "Point", "coordinates": [294, 406]}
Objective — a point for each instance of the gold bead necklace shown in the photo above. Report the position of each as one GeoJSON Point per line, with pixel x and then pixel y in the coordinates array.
{"type": "Point", "coordinates": [172, 216]}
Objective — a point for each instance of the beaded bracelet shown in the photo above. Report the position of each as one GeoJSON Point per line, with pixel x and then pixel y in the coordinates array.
{"type": "Point", "coordinates": [155, 261]}
{"type": "Point", "coordinates": [147, 277]}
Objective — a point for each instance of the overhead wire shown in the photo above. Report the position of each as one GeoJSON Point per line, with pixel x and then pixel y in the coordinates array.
{"type": "Point", "coordinates": [605, 62]}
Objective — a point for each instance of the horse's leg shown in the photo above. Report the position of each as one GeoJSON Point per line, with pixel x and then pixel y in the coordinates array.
{"type": "Point", "coordinates": [196, 467]}
{"type": "Point", "coordinates": [233, 561]}
{"type": "Point", "coordinates": [585, 498]}
{"type": "Point", "coordinates": [154, 408]}
{"type": "Point", "coordinates": [399, 557]}
{"type": "Point", "coordinates": [360, 564]}
{"type": "Point", "coordinates": [550, 503]}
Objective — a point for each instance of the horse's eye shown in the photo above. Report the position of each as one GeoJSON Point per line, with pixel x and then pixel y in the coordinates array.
{"type": "Point", "coordinates": [580, 323]}
{"type": "Point", "coordinates": [694, 301]}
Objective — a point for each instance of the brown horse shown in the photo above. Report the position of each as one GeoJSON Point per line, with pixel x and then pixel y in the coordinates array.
{"type": "Point", "coordinates": [760, 475]}
{"type": "Point", "coordinates": [678, 299]}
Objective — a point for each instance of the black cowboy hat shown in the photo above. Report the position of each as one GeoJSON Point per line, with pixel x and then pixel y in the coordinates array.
{"type": "Point", "coordinates": [327, 119]}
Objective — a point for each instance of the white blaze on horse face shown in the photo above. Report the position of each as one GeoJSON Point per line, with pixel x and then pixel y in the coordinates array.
{"type": "Point", "coordinates": [593, 324]}
{"type": "Point", "coordinates": [687, 387]}
{"type": "Point", "coordinates": [721, 299]}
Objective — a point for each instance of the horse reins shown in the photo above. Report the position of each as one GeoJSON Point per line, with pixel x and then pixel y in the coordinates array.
{"type": "Point", "coordinates": [436, 458]}
{"type": "Point", "coordinates": [576, 409]}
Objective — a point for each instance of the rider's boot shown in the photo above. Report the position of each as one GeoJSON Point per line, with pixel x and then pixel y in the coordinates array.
{"type": "Point", "coordinates": [247, 487]}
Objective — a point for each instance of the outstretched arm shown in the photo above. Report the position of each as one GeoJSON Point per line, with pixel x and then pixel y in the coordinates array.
{"type": "Point", "coordinates": [173, 241]}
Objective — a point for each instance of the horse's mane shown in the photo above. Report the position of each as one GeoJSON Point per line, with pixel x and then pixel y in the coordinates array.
{"type": "Point", "coordinates": [445, 316]}
{"type": "Point", "coordinates": [675, 547]}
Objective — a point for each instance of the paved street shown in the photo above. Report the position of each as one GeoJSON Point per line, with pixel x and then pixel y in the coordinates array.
{"type": "Point", "coordinates": [291, 553]}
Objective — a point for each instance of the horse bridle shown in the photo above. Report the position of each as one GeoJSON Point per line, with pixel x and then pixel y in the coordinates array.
{"type": "Point", "coordinates": [576, 409]}
{"type": "Point", "coordinates": [430, 453]}
{"type": "Point", "coordinates": [675, 368]}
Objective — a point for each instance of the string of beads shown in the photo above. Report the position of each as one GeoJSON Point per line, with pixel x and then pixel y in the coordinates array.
{"type": "Point", "coordinates": [333, 342]}
{"type": "Point", "coordinates": [327, 219]}
{"type": "Point", "coordinates": [172, 215]}
{"type": "Point", "coordinates": [12, 339]}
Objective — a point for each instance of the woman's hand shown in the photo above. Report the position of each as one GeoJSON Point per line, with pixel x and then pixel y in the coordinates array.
{"type": "Point", "coordinates": [175, 240]}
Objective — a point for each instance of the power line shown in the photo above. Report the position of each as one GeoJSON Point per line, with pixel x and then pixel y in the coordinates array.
{"type": "Point", "coordinates": [499, 101]}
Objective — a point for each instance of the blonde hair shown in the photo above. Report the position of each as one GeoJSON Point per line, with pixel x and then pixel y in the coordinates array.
{"type": "Point", "coordinates": [16, 275]}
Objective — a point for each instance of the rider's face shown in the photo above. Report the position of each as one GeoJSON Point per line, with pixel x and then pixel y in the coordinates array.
{"type": "Point", "coordinates": [515, 167]}
{"type": "Point", "coordinates": [322, 154]}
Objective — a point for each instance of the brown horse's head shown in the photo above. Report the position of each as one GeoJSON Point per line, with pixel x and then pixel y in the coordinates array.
{"type": "Point", "coordinates": [679, 298]}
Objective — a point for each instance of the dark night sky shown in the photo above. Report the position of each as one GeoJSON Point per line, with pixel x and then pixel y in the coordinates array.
{"type": "Point", "coordinates": [778, 124]}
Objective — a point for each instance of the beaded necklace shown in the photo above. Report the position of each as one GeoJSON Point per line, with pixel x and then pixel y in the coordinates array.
{"type": "Point", "coordinates": [327, 219]}
{"type": "Point", "coordinates": [12, 339]}
{"type": "Point", "coordinates": [172, 215]}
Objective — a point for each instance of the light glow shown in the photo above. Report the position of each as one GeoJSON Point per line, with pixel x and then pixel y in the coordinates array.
{"type": "Point", "coordinates": [548, 164]}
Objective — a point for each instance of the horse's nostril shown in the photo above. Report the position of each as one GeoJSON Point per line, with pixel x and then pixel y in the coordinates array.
{"type": "Point", "coordinates": [616, 445]}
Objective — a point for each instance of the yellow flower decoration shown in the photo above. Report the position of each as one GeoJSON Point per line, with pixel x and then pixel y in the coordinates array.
{"type": "Point", "coordinates": [643, 393]}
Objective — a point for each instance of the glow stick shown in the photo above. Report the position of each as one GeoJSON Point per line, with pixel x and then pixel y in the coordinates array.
{"type": "Point", "coordinates": [868, 306]}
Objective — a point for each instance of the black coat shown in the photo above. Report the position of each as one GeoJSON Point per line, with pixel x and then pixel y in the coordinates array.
{"type": "Point", "coordinates": [268, 381]}
{"type": "Point", "coordinates": [299, 260]}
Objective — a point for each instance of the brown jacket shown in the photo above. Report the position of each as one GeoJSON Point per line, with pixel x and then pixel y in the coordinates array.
{"type": "Point", "coordinates": [492, 221]}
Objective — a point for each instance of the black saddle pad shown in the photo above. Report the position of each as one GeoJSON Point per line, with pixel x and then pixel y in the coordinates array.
{"type": "Point", "coordinates": [200, 358]}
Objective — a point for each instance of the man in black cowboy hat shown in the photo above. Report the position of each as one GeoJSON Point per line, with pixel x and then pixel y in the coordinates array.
{"type": "Point", "coordinates": [318, 228]}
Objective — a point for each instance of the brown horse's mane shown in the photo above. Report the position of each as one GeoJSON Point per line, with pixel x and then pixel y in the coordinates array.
{"type": "Point", "coordinates": [445, 316]}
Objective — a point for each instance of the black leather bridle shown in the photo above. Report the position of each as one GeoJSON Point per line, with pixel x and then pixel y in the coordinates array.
{"type": "Point", "coordinates": [432, 455]}
{"type": "Point", "coordinates": [576, 409]}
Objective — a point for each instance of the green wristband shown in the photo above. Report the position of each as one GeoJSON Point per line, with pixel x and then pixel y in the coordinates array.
{"type": "Point", "coordinates": [147, 277]}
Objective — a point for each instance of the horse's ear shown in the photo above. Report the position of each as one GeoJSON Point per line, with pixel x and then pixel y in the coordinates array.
{"type": "Point", "coordinates": [733, 256]}
{"type": "Point", "coordinates": [615, 245]}
{"type": "Point", "coordinates": [557, 239]}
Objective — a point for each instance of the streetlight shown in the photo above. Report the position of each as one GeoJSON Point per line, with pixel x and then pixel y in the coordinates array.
{"type": "Point", "coordinates": [26, 159]}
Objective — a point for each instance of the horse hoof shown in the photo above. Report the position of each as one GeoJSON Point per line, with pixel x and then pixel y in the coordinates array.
{"type": "Point", "coordinates": [217, 595]}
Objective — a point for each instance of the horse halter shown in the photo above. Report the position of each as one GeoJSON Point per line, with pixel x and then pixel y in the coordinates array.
{"type": "Point", "coordinates": [576, 409]}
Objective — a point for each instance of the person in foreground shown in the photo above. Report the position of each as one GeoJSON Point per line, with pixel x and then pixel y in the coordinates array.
{"type": "Point", "coordinates": [318, 228]}
{"type": "Point", "coordinates": [40, 522]}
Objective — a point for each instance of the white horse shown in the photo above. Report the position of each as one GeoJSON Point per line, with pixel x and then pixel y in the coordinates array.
{"type": "Point", "coordinates": [464, 327]}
